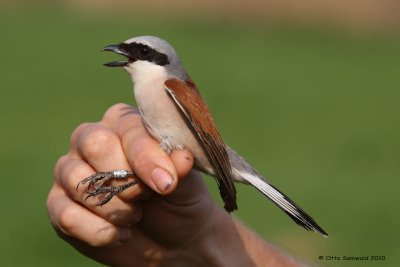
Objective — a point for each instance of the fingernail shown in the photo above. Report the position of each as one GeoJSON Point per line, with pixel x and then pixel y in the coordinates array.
{"type": "Point", "coordinates": [162, 179]}
{"type": "Point", "coordinates": [125, 234]}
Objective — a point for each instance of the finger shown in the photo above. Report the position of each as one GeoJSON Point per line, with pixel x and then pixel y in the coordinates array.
{"type": "Point", "coordinates": [148, 160]}
{"type": "Point", "coordinates": [118, 212]}
{"type": "Point", "coordinates": [71, 219]}
{"type": "Point", "coordinates": [101, 148]}
{"type": "Point", "coordinates": [183, 161]}
{"type": "Point", "coordinates": [189, 190]}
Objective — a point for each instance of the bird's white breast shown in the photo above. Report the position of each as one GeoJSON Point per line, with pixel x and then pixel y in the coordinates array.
{"type": "Point", "coordinates": [161, 116]}
{"type": "Point", "coordinates": [158, 111]}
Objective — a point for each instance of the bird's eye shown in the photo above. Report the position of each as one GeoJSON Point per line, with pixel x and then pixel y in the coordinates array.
{"type": "Point", "coordinates": [145, 50]}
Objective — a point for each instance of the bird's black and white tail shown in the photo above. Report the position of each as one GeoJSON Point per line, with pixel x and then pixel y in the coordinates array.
{"type": "Point", "coordinates": [245, 173]}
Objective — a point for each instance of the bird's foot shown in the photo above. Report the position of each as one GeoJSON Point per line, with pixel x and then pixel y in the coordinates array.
{"type": "Point", "coordinates": [97, 181]}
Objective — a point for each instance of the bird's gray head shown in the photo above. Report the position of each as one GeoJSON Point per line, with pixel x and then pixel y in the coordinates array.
{"type": "Point", "coordinates": [147, 54]}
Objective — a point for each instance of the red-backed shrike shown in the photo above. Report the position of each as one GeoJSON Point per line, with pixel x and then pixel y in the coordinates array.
{"type": "Point", "coordinates": [176, 115]}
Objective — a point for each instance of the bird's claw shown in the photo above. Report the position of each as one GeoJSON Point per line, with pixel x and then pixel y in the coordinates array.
{"type": "Point", "coordinates": [97, 181]}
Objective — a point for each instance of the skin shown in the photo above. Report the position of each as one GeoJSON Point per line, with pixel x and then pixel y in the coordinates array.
{"type": "Point", "coordinates": [149, 224]}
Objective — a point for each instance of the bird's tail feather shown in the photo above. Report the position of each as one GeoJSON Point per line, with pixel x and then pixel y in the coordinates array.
{"type": "Point", "coordinates": [244, 172]}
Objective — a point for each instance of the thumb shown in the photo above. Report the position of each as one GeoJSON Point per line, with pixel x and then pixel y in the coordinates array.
{"type": "Point", "coordinates": [183, 161]}
{"type": "Point", "coordinates": [191, 187]}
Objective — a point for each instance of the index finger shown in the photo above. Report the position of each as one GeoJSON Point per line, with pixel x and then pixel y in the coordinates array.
{"type": "Point", "coordinates": [149, 162]}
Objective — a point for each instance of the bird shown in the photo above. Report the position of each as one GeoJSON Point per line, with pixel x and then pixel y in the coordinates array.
{"type": "Point", "coordinates": [176, 115]}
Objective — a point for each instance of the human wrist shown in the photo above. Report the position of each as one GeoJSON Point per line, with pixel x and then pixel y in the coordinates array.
{"type": "Point", "coordinates": [217, 244]}
{"type": "Point", "coordinates": [225, 241]}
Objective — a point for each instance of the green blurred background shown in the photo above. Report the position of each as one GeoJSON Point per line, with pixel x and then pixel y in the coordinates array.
{"type": "Point", "coordinates": [313, 105]}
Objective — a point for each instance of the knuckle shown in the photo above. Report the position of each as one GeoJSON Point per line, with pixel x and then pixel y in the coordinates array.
{"type": "Point", "coordinates": [78, 131]}
{"type": "Point", "coordinates": [96, 142]}
{"type": "Point", "coordinates": [69, 225]}
{"type": "Point", "coordinates": [50, 205]}
{"type": "Point", "coordinates": [68, 220]}
{"type": "Point", "coordinates": [121, 217]}
{"type": "Point", "coordinates": [103, 238]}
{"type": "Point", "coordinates": [116, 108]}
{"type": "Point", "coordinates": [60, 163]}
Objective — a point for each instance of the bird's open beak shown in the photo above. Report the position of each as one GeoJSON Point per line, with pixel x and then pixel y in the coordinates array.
{"type": "Point", "coordinates": [119, 50]}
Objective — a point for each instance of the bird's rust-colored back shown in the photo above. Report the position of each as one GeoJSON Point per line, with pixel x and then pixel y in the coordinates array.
{"type": "Point", "coordinates": [188, 99]}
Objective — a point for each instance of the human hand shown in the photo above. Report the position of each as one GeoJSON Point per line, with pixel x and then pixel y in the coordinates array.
{"type": "Point", "coordinates": [149, 224]}
{"type": "Point", "coordinates": [143, 225]}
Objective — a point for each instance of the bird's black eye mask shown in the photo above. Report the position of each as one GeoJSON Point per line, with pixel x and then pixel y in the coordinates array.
{"type": "Point", "coordinates": [134, 52]}
{"type": "Point", "coordinates": [137, 51]}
